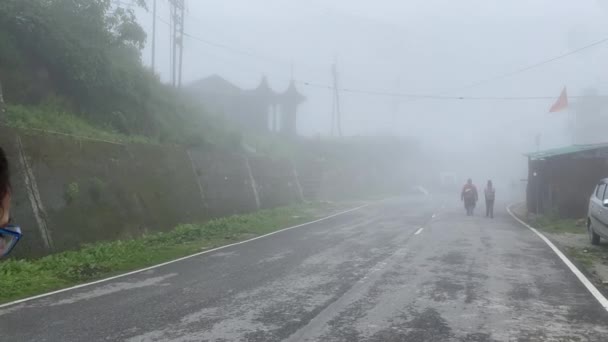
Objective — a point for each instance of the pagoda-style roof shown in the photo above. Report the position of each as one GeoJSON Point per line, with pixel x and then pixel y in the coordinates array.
{"type": "Point", "coordinates": [291, 94]}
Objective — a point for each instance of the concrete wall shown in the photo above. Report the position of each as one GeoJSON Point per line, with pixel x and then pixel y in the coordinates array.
{"type": "Point", "coordinates": [21, 210]}
{"type": "Point", "coordinates": [82, 191]}
{"type": "Point", "coordinates": [70, 191]}
{"type": "Point", "coordinates": [275, 181]}
{"type": "Point", "coordinates": [343, 169]}
{"type": "Point", "coordinates": [225, 183]}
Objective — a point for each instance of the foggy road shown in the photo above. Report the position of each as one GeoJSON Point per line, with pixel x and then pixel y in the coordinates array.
{"type": "Point", "coordinates": [413, 269]}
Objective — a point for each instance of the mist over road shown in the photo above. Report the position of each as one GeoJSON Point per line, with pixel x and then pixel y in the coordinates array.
{"type": "Point", "coordinates": [408, 269]}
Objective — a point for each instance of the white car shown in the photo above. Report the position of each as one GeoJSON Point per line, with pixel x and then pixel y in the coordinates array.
{"type": "Point", "coordinates": [597, 218]}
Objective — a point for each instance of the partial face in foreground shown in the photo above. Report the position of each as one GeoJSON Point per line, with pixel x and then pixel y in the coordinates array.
{"type": "Point", "coordinates": [7, 238]}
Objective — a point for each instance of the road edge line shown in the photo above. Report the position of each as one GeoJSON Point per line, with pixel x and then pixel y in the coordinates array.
{"type": "Point", "coordinates": [583, 279]}
{"type": "Point", "coordinates": [75, 287]}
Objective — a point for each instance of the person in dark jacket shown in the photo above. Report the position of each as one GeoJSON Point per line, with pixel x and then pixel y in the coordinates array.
{"type": "Point", "coordinates": [9, 234]}
{"type": "Point", "coordinates": [469, 196]}
{"type": "Point", "coordinates": [490, 194]}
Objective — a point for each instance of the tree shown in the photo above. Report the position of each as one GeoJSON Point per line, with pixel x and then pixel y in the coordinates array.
{"type": "Point", "coordinates": [91, 51]}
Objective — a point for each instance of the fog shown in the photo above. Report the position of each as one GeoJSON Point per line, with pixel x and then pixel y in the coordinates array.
{"type": "Point", "coordinates": [414, 47]}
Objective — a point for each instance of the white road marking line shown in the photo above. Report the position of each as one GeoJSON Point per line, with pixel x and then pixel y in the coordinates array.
{"type": "Point", "coordinates": [418, 231]}
{"type": "Point", "coordinates": [433, 215]}
{"type": "Point", "coordinates": [176, 260]}
{"type": "Point", "coordinates": [586, 282]}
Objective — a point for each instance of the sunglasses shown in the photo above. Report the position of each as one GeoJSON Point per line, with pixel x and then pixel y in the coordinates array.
{"type": "Point", "coordinates": [9, 236]}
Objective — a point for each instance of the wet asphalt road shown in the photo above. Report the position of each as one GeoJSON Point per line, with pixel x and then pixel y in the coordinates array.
{"type": "Point", "coordinates": [368, 275]}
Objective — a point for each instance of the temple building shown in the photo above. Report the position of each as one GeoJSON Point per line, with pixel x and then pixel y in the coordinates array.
{"type": "Point", "coordinates": [261, 109]}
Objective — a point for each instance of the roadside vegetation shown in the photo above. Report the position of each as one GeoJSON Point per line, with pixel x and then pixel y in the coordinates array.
{"type": "Point", "coordinates": [58, 121]}
{"type": "Point", "coordinates": [571, 236]}
{"type": "Point", "coordinates": [553, 224]}
{"type": "Point", "coordinates": [22, 278]}
{"type": "Point", "coordinates": [74, 66]}
{"type": "Point", "coordinates": [589, 256]}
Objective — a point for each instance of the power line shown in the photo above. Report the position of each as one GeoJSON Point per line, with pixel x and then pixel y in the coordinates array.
{"type": "Point", "coordinates": [532, 66]}
{"type": "Point", "coordinates": [471, 98]}
{"type": "Point", "coordinates": [218, 45]}
{"type": "Point", "coordinates": [438, 96]}
{"type": "Point", "coordinates": [412, 96]}
{"type": "Point", "coordinates": [164, 21]}
{"type": "Point", "coordinates": [243, 52]}
{"type": "Point", "coordinates": [125, 4]}
{"type": "Point", "coordinates": [246, 52]}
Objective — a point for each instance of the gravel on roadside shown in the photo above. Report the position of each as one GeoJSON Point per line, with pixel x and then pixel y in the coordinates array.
{"type": "Point", "coordinates": [594, 259]}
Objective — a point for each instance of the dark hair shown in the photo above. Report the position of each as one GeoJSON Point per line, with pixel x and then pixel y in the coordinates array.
{"type": "Point", "coordinates": [5, 183]}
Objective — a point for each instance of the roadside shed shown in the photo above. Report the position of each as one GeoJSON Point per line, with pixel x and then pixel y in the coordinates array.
{"type": "Point", "coordinates": [561, 180]}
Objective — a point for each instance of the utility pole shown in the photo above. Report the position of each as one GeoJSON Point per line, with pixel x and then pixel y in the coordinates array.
{"type": "Point", "coordinates": [181, 43]}
{"type": "Point", "coordinates": [177, 37]}
{"type": "Point", "coordinates": [336, 116]}
{"type": "Point", "coordinates": [396, 103]}
{"type": "Point", "coordinates": [171, 41]}
{"type": "Point", "coordinates": [154, 36]}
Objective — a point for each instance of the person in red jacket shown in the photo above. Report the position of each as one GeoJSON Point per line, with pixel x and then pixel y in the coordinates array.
{"type": "Point", "coordinates": [469, 196]}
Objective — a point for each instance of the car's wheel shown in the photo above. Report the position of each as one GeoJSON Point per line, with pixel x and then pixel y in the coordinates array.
{"type": "Point", "coordinates": [593, 237]}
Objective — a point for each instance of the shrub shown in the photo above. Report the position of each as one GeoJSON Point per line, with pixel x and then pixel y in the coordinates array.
{"type": "Point", "coordinates": [72, 192]}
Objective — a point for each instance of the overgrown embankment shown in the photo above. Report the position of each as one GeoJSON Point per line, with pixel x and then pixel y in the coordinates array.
{"type": "Point", "coordinates": [76, 65]}
{"type": "Point", "coordinates": [71, 191]}
{"type": "Point", "coordinates": [48, 119]}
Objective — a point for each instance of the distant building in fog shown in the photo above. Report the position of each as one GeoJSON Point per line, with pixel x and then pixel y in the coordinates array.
{"type": "Point", "coordinates": [562, 179]}
{"type": "Point", "coordinates": [590, 117]}
{"type": "Point", "coordinates": [260, 109]}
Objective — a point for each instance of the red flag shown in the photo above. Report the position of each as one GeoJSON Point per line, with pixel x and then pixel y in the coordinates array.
{"type": "Point", "coordinates": [561, 103]}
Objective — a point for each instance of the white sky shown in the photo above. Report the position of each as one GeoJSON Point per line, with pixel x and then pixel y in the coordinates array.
{"type": "Point", "coordinates": [414, 46]}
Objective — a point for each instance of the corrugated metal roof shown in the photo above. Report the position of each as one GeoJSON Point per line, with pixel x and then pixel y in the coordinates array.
{"type": "Point", "coordinates": [564, 150]}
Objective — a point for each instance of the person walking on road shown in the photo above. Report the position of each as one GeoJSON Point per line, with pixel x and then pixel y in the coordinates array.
{"type": "Point", "coordinates": [489, 193]}
{"type": "Point", "coordinates": [469, 196]}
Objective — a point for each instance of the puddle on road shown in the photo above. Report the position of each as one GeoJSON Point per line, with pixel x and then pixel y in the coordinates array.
{"type": "Point", "coordinates": [109, 289]}
{"type": "Point", "coordinates": [99, 291]}
{"type": "Point", "coordinates": [275, 257]}
{"type": "Point", "coordinates": [12, 308]}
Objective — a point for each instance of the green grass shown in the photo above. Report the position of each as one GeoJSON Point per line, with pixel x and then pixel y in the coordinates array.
{"type": "Point", "coordinates": [51, 118]}
{"type": "Point", "coordinates": [585, 256]}
{"type": "Point", "coordinates": [22, 278]}
{"type": "Point", "coordinates": [556, 225]}
{"type": "Point", "coordinates": [55, 120]}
